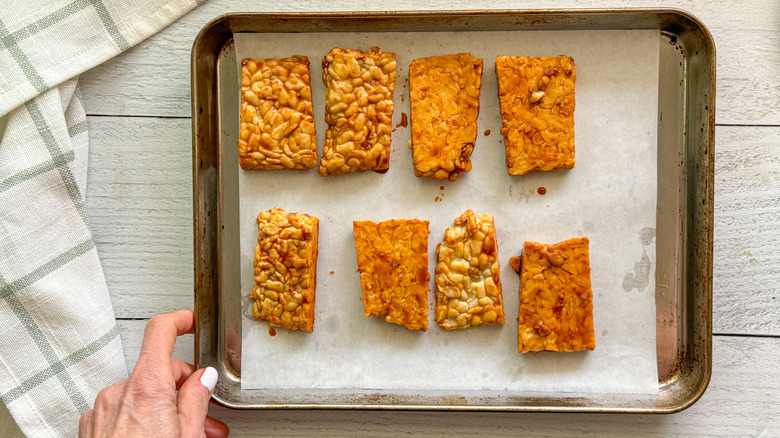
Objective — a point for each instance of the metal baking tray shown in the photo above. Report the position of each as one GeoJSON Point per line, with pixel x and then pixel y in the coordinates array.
{"type": "Point", "coordinates": [686, 124]}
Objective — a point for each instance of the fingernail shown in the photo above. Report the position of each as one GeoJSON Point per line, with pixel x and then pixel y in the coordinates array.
{"type": "Point", "coordinates": [209, 378]}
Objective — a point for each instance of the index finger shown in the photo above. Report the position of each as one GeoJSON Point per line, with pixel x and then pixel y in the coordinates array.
{"type": "Point", "coordinates": [161, 332]}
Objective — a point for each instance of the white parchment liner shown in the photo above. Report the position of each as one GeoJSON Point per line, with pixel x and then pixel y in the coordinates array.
{"type": "Point", "coordinates": [610, 197]}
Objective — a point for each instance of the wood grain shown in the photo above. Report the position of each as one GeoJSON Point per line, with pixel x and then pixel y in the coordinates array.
{"type": "Point", "coordinates": [139, 201]}
{"type": "Point", "coordinates": [741, 401]}
{"type": "Point", "coordinates": [747, 43]}
{"type": "Point", "coordinates": [746, 285]}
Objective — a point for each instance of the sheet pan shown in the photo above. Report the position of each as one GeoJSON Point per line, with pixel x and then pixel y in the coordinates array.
{"type": "Point", "coordinates": [684, 210]}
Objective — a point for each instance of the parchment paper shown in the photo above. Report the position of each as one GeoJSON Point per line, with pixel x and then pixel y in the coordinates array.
{"type": "Point", "coordinates": [609, 196]}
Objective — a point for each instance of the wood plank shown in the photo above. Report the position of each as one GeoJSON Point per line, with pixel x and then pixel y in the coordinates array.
{"type": "Point", "coordinates": [741, 400]}
{"type": "Point", "coordinates": [139, 199]}
{"type": "Point", "coordinates": [746, 286]}
{"type": "Point", "coordinates": [154, 77]}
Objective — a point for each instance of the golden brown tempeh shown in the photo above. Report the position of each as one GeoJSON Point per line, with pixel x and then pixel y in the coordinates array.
{"type": "Point", "coordinates": [468, 286]}
{"type": "Point", "coordinates": [277, 123]}
{"type": "Point", "coordinates": [358, 110]}
{"type": "Point", "coordinates": [286, 269]}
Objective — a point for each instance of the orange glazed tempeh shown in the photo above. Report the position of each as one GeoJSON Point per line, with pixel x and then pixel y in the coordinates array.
{"type": "Point", "coordinates": [444, 92]}
{"type": "Point", "coordinates": [392, 260]}
{"type": "Point", "coordinates": [537, 112]}
{"type": "Point", "coordinates": [277, 123]}
{"type": "Point", "coordinates": [556, 301]}
{"type": "Point", "coordinates": [286, 269]}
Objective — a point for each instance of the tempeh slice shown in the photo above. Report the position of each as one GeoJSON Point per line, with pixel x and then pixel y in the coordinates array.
{"type": "Point", "coordinates": [537, 112]}
{"type": "Point", "coordinates": [286, 269]}
{"type": "Point", "coordinates": [358, 110]}
{"type": "Point", "coordinates": [468, 287]}
{"type": "Point", "coordinates": [392, 260]}
{"type": "Point", "coordinates": [277, 123]}
{"type": "Point", "coordinates": [444, 93]}
{"type": "Point", "coordinates": [556, 300]}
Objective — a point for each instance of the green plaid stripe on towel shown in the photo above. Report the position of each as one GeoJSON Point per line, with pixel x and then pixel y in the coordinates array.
{"type": "Point", "coordinates": [59, 342]}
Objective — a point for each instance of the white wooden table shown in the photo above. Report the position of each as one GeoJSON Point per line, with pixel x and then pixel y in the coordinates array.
{"type": "Point", "coordinates": [139, 201]}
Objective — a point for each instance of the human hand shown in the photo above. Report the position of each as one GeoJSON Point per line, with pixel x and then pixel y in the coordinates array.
{"type": "Point", "coordinates": [146, 404]}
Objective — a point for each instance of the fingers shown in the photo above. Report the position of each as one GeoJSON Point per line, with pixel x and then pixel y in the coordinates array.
{"type": "Point", "coordinates": [215, 428]}
{"type": "Point", "coordinates": [193, 400]}
{"type": "Point", "coordinates": [85, 424]}
{"type": "Point", "coordinates": [181, 371]}
{"type": "Point", "coordinates": [161, 333]}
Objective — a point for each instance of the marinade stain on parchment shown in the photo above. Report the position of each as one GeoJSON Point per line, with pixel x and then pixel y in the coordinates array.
{"type": "Point", "coordinates": [639, 279]}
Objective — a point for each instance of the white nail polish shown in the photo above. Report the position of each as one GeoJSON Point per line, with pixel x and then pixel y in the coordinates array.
{"type": "Point", "coordinates": [209, 378]}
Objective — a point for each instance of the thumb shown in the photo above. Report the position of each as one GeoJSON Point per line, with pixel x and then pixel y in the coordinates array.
{"type": "Point", "coordinates": [193, 401]}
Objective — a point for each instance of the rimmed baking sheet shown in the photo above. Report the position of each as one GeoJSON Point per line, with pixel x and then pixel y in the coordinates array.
{"type": "Point", "coordinates": [683, 243]}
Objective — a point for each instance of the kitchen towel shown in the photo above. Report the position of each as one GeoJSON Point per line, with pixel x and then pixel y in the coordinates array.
{"type": "Point", "coordinates": [59, 341]}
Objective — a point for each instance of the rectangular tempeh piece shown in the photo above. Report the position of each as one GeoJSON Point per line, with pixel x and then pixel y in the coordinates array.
{"type": "Point", "coordinates": [358, 110]}
{"type": "Point", "coordinates": [556, 301]}
{"type": "Point", "coordinates": [277, 122]}
{"type": "Point", "coordinates": [444, 93]}
{"type": "Point", "coordinates": [468, 287]}
{"type": "Point", "coordinates": [537, 112]}
{"type": "Point", "coordinates": [286, 269]}
{"type": "Point", "coordinates": [392, 260]}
